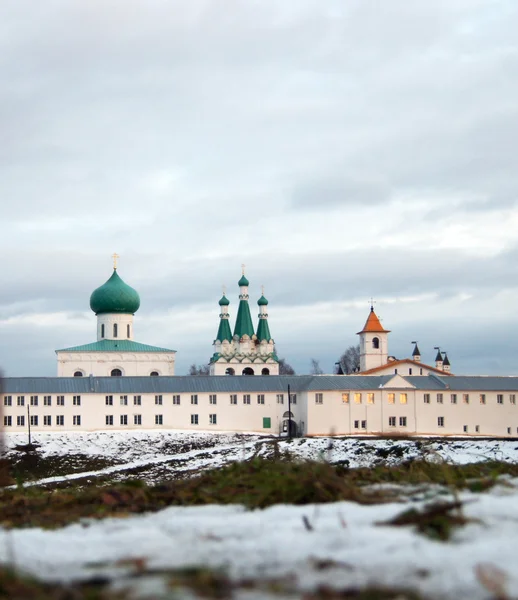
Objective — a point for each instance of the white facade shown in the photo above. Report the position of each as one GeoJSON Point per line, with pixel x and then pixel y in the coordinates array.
{"type": "Point", "coordinates": [102, 364]}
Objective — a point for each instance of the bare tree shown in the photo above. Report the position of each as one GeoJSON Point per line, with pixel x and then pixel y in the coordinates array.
{"type": "Point", "coordinates": [199, 369]}
{"type": "Point", "coordinates": [285, 368]}
{"type": "Point", "coordinates": [349, 362]}
{"type": "Point", "coordinates": [315, 367]}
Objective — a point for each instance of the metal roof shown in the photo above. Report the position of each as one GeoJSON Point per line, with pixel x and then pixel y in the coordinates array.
{"type": "Point", "coordinates": [115, 346]}
{"type": "Point", "coordinates": [243, 384]}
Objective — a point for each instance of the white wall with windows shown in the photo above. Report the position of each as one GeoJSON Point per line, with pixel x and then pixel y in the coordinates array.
{"type": "Point", "coordinates": [101, 364]}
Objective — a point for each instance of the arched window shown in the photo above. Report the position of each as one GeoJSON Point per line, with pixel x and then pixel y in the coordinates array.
{"type": "Point", "coordinates": [102, 330]}
{"type": "Point", "coordinates": [230, 371]}
{"type": "Point", "coordinates": [154, 374]}
{"type": "Point", "coordinates": [248, 371]}
{"type": "Point", "coordinates": [116, 373]}
{"type": "Point", "coordinates": [265, 371]}
{"type": "Point", "coordinates": [78, 374]}
{"type": "Point", "coordinates": [375, 343]}
{"type": "Point", "coordinates": [115, 330]}
{"type": "Point", "coordinates": [128, 330]}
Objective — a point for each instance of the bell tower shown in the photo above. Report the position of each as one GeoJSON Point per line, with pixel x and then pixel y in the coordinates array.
{"type": "Point", "coordinates": [373, 343]}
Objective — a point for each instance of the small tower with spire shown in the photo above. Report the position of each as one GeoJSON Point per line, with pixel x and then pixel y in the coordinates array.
{"type": "Point", "coordinates": [373, 343]}
{"type": "Point", "coordinates": [439, 362]}
{"type": "Point", "coordinates": [416, 354]}
{"type": "Point", "coordinates": [446, 367]}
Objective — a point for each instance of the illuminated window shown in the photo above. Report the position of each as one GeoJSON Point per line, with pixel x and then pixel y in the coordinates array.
{"type": "Point", "coordinates": [391, 398]}
{"type": "Point", "coordinates": [370, 398]}
{"type": "Point", "coordinates": [403, 398]}
{"type": "Point", "coordinates": [357, 398]}
{"type": "Point", "coordinates": [345, 397]}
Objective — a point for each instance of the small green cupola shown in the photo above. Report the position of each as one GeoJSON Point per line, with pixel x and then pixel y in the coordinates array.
{"type": "Point", "coordinates": [262, 301]}
{"type": "Point", "coordinates": [224, 301]}
{"type": "Point", "coordinates": [115, 296]}
{"type": "Point", "coordinates": [243, 281]}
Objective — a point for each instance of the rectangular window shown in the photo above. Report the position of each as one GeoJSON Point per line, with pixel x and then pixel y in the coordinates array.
{"type": "Point", "coordinates": [410, 371]}
{"type": "Point", "coordinates": [512, 398]}
{"type": "Point", "coordinates": [392, 421]}
{"type": "Point", "coordinates": [345, 398]}
{"type": "Point", "coordinates": [47, 400]}
{"type": "Point", "coordinates": [34, 420]}
{"type": "Point", "coordinates": [439, 398]}
{"type": "Point", "coordinates": [465, 429]}
{"type": "Point", "coordinates": [402, 421]}
{"type": "Point", "coordinates": [109, 419]}
{"type": "Point", "coordinates": [137, 419]}
{"type": "Point", "coordinates": [403, 398]}
{"type": "Point", "coordinates": [60, 420]}
{"type": "Point", "coordinates": [60, 400]}
{"type": "Point", "coordinates": [124, 419]}
{"type": "Point", "coordinates": [357, 424]}
{"type": "Point", "coordinates": [76, 401]}
{"type": "Point", "coordinates": [20, 421]}
{"type": "Point", "coordinates": [194, 419]}
{"type": "Point", "coordinates": [158, 399]}
{"type": "Point", "coordinates": [370, 398]}
{"type": "Point", "coordinates": [213, 399]}
{"type": "Point", "coordinates": [294, 398]}
{"type": "Point", "coordinates": [213, 419]}
{"type": "Point", "coordinates": [280, 398]}
{"type": "Point", "coordinates": [426, 398]}
{"type": "Point", "coordinates": [246, 398]}
{"type": "Point", "coordinates": [477, 429]}
{"type": "Point", "coordinates": [124, 400]}
{"type": "Point", "coordinates": [440, 421]}
{"type": "Point", "coordinates": [364, 424]}
{"type": "Point", "coordinates": [194, 398]}
{"type": "Point", "coordinates": [465, 398]}
{"type": "Point", "coordinates": [391, 398]}
{"type": "Point", "coordinates": [20, 400]}
{"type": "Point", "coordinates": [137, 401]}
{"type": "Point", "coordinates": [260, 398]}
{"type": "Point", "coordinates": [34, 400]}
{"type": "Point", "coordinates": [454, 398]}
{"type": "Point", "coordinates": [8, 421]}
{"type": "Point", "coordinates": [159, 420]}
{"type": "Point", "coordinates": [482, 398]}
{"type": "Point", "coordinates": [47, 420]}
{"type": "Point", "coordinates": [176, 399]}
{"type": "Point", "coordinates": [357, 398]}
{"type": "Point", "coordinates": [500, 398]}
{"type": "Point", "coordinates": [233, 398]}
{"type": "Point", "coordinates": [509, 430]}
{"type": "Point", "coordinates": [109, 400]}
{"type": "Point", "coordinates": [267, 423]}
{"type": "Point", "coordinates": [8, 400]}
{"type": "Point", "coordinates": [319, 398]}
{"type": "Point", "coordinates": [76, 420]}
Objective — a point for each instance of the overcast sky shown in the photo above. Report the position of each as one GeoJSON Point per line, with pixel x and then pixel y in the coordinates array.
{"type": "Point", "coordinates": [340, 149]}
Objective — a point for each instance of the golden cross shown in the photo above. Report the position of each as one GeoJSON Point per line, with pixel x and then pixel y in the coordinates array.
{"type": "Point", "coordinates": [115, 256]}
{"type": "Point", "coordinates": [243, 269]}
{"type": "Point", "coordinates": [224, 288]}
{"type": "Point", "coordinates": [262, 290]}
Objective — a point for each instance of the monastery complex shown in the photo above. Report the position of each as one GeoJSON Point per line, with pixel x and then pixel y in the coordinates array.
{"type": "Point", "coordinates": [116, 382]}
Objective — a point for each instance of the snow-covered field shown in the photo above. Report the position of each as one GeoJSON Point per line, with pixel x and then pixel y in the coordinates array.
{"type": "Point", "coordinates": [339, 545]}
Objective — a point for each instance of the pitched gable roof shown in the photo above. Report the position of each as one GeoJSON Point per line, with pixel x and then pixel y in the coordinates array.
{"type": "Point", "coordinates": [405, 361]}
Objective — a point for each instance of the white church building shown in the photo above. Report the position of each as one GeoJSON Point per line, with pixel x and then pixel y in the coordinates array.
{"type": "Point", "coordinates": [118, 383]}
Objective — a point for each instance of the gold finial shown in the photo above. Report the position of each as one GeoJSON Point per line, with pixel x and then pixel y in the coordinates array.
{"type": "Point", "coordinates": [115, 256]}
{"type": "Point", "coordinates": [243, 269]}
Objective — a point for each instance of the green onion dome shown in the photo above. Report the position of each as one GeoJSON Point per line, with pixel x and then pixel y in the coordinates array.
{"type": "Point", "coordinates": [114, 296]}
{"type": "Point", "coordinates": [224, 301]}
{"type": "Point", "coordinates": [243, 281]}
{"type": "Point", "coordinates": [262, 301]}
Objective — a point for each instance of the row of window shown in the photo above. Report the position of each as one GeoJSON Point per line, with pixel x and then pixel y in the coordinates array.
{"type": "Point", "coordinates": [116, 330]}
{"type": "Point", "coordinates": [137, 420]}
{"type": "Point", "coordinates": [466, 398]}
{"type": "Point", "coordinates": [137, 400]}
{"type": "Point", "coordinates": [358, 398]}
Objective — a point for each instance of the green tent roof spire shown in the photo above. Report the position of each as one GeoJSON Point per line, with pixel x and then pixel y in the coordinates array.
{"type": "Point", "coordinates": [244, 325]}
{"type": "Point", "coordinates": [263, 329]}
